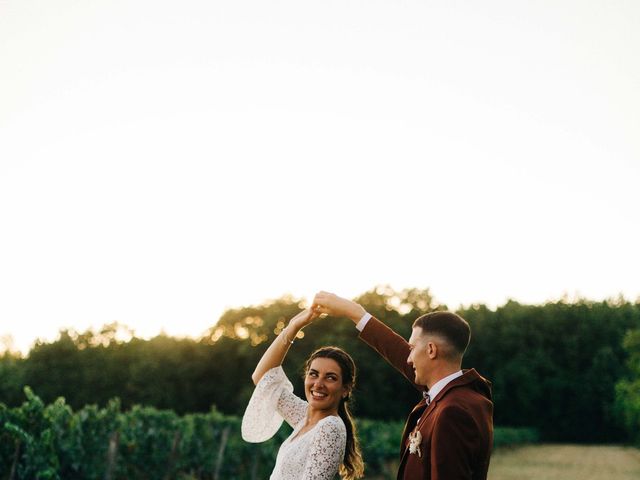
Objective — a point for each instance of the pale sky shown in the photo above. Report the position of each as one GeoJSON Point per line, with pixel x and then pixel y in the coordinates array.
{"type": "Point", "coordinates": [163, 161]}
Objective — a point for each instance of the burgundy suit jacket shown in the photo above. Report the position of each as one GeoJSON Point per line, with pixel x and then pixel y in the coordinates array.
{"type": "Point", "coordinates": [456, 427]}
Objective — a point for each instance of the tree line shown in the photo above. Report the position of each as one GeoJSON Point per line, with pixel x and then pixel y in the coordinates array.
{"type": "Point", "coordinates": [569, 369]}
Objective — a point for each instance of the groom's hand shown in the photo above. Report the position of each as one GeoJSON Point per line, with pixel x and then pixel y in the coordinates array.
{"type": "Point", "coordinates": [331, 304]}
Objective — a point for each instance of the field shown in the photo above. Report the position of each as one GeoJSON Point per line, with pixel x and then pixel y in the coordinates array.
{"type": "Point", "coordinates": [566, 462]}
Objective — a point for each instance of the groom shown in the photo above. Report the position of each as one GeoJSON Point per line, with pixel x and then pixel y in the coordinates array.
{"type": "Point", "coordinates": [449, 433]}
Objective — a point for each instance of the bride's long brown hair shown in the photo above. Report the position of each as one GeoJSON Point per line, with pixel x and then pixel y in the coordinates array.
{"type": "Point", "coordinates": [352, 466]}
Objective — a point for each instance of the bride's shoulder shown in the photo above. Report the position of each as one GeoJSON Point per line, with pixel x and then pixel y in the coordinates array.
{"type": "Point", "coordinates": [332, 422]}
{"type": "Point", "coordinates": [332, 433]}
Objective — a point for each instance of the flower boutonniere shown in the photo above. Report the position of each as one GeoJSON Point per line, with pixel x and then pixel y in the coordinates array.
{"type": "Point", "coordinates": [415, 439]}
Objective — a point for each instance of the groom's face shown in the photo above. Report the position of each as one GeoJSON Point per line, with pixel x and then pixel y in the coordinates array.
{"type": "Point", "coordinates": [419, 357]}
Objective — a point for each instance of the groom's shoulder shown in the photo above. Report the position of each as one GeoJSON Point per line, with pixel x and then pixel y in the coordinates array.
{"type": "Point", "coordinates": [470, 385]}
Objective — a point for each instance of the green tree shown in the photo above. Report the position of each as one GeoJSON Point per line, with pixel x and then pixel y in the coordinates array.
{"type": "Point", "coordinates": [628, 389]}
{"type": "Point", "coordinates": [553, 366]}
{"type": "Point", "coordinates": [11, 378]}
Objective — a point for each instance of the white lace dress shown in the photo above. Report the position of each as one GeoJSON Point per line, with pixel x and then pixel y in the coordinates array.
{"type": "Point", "coordinates": [314, 455]}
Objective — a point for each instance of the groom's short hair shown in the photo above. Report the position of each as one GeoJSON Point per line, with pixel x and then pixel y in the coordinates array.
{"type": "Point", "coordinates": [448, 325]}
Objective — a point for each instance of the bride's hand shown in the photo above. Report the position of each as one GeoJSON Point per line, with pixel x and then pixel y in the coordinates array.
{"type": "Point", "coordinates": [304, 318]}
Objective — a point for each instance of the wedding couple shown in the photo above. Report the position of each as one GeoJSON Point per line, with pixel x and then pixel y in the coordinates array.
{"type": "Point", "coordinates": [448, 435]}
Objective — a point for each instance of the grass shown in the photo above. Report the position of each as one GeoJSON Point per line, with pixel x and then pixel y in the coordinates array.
{"type": "Point", "coordinates": [565, 462]}
{"type": "Point", "coordinates": [557, 462]}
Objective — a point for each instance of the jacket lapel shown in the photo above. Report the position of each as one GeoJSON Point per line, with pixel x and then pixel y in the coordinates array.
{"type": "Point", "coordinates": [418, 414]}
{"type": "Point", "coordinates": [422, 410]}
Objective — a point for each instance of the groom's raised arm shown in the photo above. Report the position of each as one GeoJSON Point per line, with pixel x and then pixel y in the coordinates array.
{"type": "Point", "coordinates": [391, 346]}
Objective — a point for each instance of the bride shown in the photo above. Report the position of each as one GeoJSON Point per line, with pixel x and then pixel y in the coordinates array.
{"type": "Point", "coordinates": [323, 441]}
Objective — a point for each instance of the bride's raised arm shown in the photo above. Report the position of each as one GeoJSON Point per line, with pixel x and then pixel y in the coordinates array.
{"type": "Point", "coordinates": [276, 352]}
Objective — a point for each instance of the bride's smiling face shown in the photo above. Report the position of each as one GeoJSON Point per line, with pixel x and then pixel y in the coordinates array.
{"type": "Point", "coordinates": [323, 385]}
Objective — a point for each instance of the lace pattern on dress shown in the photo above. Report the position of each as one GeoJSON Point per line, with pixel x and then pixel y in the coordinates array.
{"type": "Point", "coordinates": [314, 455]}
{"type": "Point", "coordinates": [272, 401]}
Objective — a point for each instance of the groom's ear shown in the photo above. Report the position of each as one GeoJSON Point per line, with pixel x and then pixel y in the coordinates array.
{"type": "Point", "coordinates": [432, 350]}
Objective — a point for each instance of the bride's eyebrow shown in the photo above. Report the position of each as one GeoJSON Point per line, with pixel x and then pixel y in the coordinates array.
{"type": "Point", "coordinates": [313, 370]}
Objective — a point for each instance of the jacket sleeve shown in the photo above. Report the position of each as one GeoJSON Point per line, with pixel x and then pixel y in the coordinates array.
{"type": "Point", "coordinates": [391, 346]}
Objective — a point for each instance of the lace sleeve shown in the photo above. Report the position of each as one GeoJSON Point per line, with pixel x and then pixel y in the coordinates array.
{"type": "Point", "coordinates": [272, 401]}
{"type": "Point", "coordinates": [327, 450]}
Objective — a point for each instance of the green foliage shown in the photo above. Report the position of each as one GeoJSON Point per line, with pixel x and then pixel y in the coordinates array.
{"type": "Point", "coordinates": [380, 443]}
{"type": "Point", "coordinates": [511, 437]}
{"type": "Point", "coordinates": [628, 389]}
{"type": "Point", "coordinates": [41, 441]}
{"type": "Point", "coordinates": [11, 378]}
{"type": "Point", "coordinates": [553, 367]}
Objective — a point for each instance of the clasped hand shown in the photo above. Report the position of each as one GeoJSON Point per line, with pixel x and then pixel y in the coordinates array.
{"type": "Point", "coordinates": [325, 303]}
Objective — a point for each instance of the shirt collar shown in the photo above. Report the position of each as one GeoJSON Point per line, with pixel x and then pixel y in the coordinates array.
{"type": "Point", "coordinates": [443, 382]}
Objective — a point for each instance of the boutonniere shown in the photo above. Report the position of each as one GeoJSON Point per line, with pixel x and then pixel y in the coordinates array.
{"type": "Point", "coordinates": [415, 439]}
